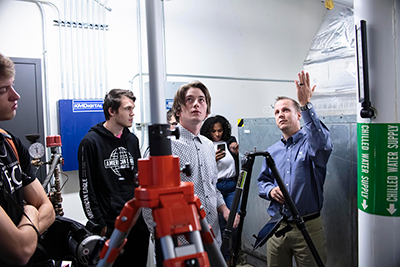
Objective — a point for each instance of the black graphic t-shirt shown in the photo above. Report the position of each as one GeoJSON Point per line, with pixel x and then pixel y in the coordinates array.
{"type": "Point", "coordinates": [107, 170]}
{"type": "Point", "coordinates": [13, 175]}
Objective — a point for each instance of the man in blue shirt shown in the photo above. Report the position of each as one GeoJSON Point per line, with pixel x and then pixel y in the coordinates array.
{"type": "Point", "coordinates": [300, 157]}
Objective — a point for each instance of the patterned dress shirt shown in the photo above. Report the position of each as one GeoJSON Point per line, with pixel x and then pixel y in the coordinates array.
{"type": "Point", "coordinates": [199, 152]}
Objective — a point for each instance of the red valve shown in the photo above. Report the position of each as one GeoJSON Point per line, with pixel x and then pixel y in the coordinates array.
{"type": "Point", "coordinates": [53, 141]}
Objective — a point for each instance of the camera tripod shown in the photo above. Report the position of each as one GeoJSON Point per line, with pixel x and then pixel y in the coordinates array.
{"type": "Point", "coordinates": [176, 210]}
{"type": "Point", "coordinates": [243, 185]}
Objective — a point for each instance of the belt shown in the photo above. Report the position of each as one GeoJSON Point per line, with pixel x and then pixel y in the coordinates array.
{"type": "Point", "coordinates": [311, 216]}
{"type": "Point", "coordinates": [307, 218]}
{"type": "Point", "coordinates": [222, 179]}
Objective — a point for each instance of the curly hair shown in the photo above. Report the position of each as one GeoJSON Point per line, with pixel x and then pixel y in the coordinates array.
{"type": "Point", "coordinates": [209, 123]}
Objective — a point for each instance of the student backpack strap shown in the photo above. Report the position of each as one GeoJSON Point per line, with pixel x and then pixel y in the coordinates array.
{"type": "Point", "coordinates": [10, 142]}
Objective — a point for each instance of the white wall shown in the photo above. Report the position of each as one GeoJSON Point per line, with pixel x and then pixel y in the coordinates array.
{"type": "Point", "coordinates": [266, 39]}
{"type": "Point", "coordinates": [252, 39]}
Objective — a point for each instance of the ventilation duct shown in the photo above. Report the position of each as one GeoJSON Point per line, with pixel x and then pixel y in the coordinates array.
{"type": "Point", "coordinates": [331, 63]}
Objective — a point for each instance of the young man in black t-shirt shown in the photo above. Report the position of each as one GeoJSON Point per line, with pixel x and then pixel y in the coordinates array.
{"type": "Point", "coordinates": [18, 185]}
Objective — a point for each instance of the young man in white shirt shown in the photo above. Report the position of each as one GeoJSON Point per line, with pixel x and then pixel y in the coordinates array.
{"type": "Point", "coordinates": [192, 104]}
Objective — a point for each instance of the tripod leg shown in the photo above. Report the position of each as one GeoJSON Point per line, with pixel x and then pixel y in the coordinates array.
{"type": "Point", "coordinates": [167, 245]}
{"type": "Point", "coordinates": [195, 238]}
{"type": "Point", "coordinates": [227, 234]}
{"type": "Point", "coordinates": [302, 227]}
{"type": "Point", "coordinates": [238, 239]}
{"type": "Point", "coordinates": [211, 247]}
{"type": "Point", "coordinates": [125, 221]}
{"type": "Point", "coordinates": [247, 168]}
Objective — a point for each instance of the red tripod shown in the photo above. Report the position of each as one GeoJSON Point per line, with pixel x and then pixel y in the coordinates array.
{"type": "Point", "coordinates": [176, 210]}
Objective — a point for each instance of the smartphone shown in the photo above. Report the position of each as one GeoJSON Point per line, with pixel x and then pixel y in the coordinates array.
{"type": "Point", "coordinates": [221, 147]}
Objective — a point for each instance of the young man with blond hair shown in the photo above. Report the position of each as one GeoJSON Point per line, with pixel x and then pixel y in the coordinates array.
{"type": "Point", "coordinates": [18, 185]}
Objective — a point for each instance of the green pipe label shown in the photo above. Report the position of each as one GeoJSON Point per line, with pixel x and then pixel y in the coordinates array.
{"type": "Point", "coordinates": [378, 168]}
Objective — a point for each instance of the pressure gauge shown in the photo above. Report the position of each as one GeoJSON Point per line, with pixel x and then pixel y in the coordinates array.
{"type": "Point", "coordinates": [36, 150]}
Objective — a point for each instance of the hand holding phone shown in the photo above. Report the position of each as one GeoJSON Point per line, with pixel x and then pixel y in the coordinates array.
{"type": "Point", "coordinates": [220, 152]}
{"type": "Point", "coordinates": [221, 147]}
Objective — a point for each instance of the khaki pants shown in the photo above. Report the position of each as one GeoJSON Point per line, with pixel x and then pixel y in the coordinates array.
{"type": "Point", "coordinates": [280, 250]}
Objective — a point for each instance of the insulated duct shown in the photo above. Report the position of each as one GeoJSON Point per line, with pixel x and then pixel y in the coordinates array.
{"type": "Point", "coordinates": [331, 63]}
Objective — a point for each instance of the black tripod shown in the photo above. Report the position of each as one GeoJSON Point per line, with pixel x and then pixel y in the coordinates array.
{"type": "Point", "coordinates": [243, 184]}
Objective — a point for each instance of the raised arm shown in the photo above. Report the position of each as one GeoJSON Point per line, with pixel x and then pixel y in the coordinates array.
{"type": "Point", "coordinates": [303, 88]}
{"type": "Point", "coordinates": [318, 134]}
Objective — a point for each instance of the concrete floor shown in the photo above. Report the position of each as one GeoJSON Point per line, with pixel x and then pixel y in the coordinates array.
{"type": "Point", "coordinates": [151, 260]}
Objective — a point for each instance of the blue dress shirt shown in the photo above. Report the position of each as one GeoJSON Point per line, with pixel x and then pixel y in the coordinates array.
{"type": "Point", "coordinates": [301, 161]}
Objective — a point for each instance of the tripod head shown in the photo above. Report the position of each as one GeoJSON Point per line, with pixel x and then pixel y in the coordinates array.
{"type": "Point", "coordinates": [249, 156]}
{"type": "Point", "coordinates": [159, 139]}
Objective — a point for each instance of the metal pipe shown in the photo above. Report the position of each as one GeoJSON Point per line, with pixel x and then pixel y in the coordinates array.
{"type": "Point", "coordinates": [97, 57]}
{"type": "Point", "coordinates": [105, 53]}
{"type": "Point", "coordinates": [141, 90]}
{"type": "Point", "coordinates": [59, 36]}
{"type": "Point", "coordinates": [105, 58]}
{"type": "Point", "coordinates": [378, 197]}
{"type": "Point", "coordinates": [94, 54]}
{"type": "Point", "coordinates": [155, 57]}
{"type": "Point", "coordinates": [86, 49]}
{"type": "Point", "coordinates": [90, 53]}
{"type": "Point", "coordinates": [68, 82]}
{"type": "Point", "coordinates": [103, 5]}
{"type": "Point", "coordinates": [163, 35]}
{"type": "Point", "coordinates": [95, 51]}
{"type": "Point", "coordinates": [79, 30]}
{"type": "Point", "coordinates": [101, 50]}
{"type": "Point", "coordinates": [220, 78]}
{"type": "Point", "coordinates": [84, 71]}
{"type": "Point", "coordinates": [72, 50]}
{"type": "Point", "coordinates": [45, 72]}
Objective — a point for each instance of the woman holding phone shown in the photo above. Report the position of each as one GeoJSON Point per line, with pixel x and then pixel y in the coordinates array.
{"type": "Point", "coordinates": [218, 130]}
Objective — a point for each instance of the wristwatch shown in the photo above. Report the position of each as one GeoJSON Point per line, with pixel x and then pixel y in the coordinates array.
{"type": "Point", "coordinates": [306, 106]}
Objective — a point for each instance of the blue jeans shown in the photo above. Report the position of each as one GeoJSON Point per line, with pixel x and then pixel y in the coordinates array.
{"type": "Point", "coordinates": [227, 188]}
